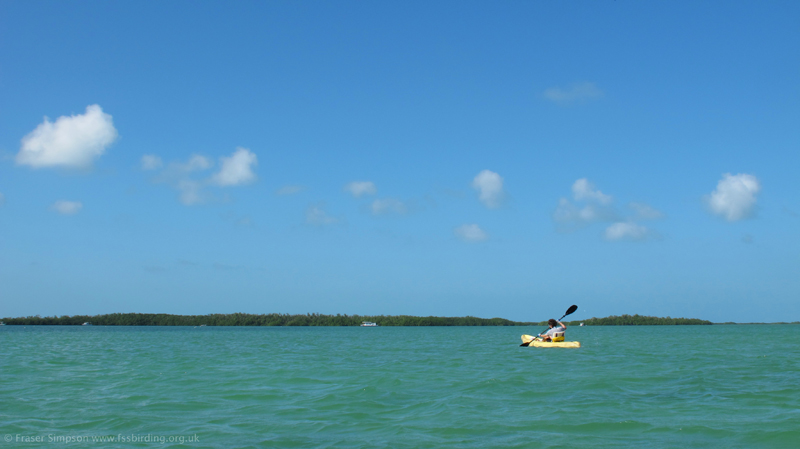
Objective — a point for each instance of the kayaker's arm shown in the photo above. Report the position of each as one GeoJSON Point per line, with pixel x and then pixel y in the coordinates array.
{"type": "Point", "coordinates": [562, 325]}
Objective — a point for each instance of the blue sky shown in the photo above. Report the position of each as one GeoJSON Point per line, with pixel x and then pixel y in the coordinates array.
{"type": "Point", "coordinates": [448, 158]}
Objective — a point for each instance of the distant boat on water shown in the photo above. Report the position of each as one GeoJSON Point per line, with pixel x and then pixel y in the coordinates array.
{"type": "Point", "coordinates": [368, 324]}
{"type": "Point", "coordinates": [581, 324]}
{"type": "Point", "coordinates": [86, 324]}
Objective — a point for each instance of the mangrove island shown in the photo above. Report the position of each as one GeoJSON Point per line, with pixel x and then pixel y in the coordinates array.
{"type": "Point", "coordinates": [316, 319]}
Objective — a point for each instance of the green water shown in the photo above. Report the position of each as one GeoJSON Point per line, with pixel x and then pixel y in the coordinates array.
{"type": "Point", "coordinates": [659, 386]}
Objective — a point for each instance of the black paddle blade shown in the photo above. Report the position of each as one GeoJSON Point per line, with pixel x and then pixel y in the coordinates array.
{"type": "Point", "coordinates": [571, 310]}
{"type": "Point", "coordinates": [526, 344]}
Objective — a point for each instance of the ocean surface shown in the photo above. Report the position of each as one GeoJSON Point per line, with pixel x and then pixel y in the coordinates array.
{"type": "Point", "coordinates": [398, 387]}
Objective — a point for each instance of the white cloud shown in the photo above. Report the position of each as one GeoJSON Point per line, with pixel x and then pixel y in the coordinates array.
{"type": "Point", "coordinates": [191, 192]}
{"type": "Point", "coordinates": [236, 169]}
{"type": "Point", "coordinates": [195, 163]}
{"type": "Point", "coordinates": [583, 190]}
{"type": "Point", "coordinates": [359, 188]}
{"type": "Point", "coordinates": [471, 233]}
{"type": "Point", "coordinates": [73, 141]}
{"type": "Point", "coordinates": [575, 93]}
{"type": "Point", "coordinates": [183, 176]}
{"type": "Point", "coordinates": [316, 215]}
{"type": "Point", "coordinates": [567, 212]}
{"type": "Point", "coordinates": [151, 162]}
{"type": "Point", "coordinates": [594, 206]}
{"type": "Point", "coordinates": [289, 190]}
{"type": "Point", "coordinates": [388, 206]}
{"type": "Point", "coordinates": [67, 207]}
{"type": "Point", "coordinates": [490, 188]}
{"type": "Point", "coordinates": [177, 170]}
{"type": "Point", "coordinates": [645, 212]}
{"type": "Point", "coordinates": [190, 181]}
{"type": "Point", "coordinates": [735, 196]}
{"type": "Point", "coordinates": [626, 231]}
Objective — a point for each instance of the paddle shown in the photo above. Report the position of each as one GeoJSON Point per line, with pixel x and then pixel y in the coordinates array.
{"type": "Point", "coordinates": [571, 309]}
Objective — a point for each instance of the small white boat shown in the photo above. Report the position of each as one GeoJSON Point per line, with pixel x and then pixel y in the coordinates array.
{"type": "Point", "coordinates": [581, 324]}
{"type": "Point", "coordinates": [368, 324]}
{"type": "Point", "coordinates": [86, 324]}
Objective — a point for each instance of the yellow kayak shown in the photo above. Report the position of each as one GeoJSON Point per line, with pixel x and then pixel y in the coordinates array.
{"type": "Point", "coordinates": [549, 344]}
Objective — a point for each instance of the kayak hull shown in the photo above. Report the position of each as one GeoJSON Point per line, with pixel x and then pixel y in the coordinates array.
{"type": "Point", "coordinates": [555, 344]}
{"type": "Point", "coordinates": [549, 344]}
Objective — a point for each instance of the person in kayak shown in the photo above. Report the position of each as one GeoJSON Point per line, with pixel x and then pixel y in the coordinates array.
{"type": "Point", "coordinates": [556, 331]}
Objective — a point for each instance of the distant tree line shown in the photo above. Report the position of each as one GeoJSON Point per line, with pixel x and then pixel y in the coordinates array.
{"type": "Point", "coordinates": [639, 320]}
{"type": "Point", "coordinates": [316, 319]}
{"type": "Point", "coordinates": [246, 319]}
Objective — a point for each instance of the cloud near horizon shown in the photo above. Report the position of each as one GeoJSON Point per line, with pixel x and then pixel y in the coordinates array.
{"type": "Point", "coordinates": [735, 196]}
{"type": "Point", "coordinates": [72, 142]}
{"type": "Point", "coordinates": [490, 188]}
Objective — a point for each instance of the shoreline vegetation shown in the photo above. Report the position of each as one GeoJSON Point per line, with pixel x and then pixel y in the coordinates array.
{"type": "Point", "coordinates": [315, 319]}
